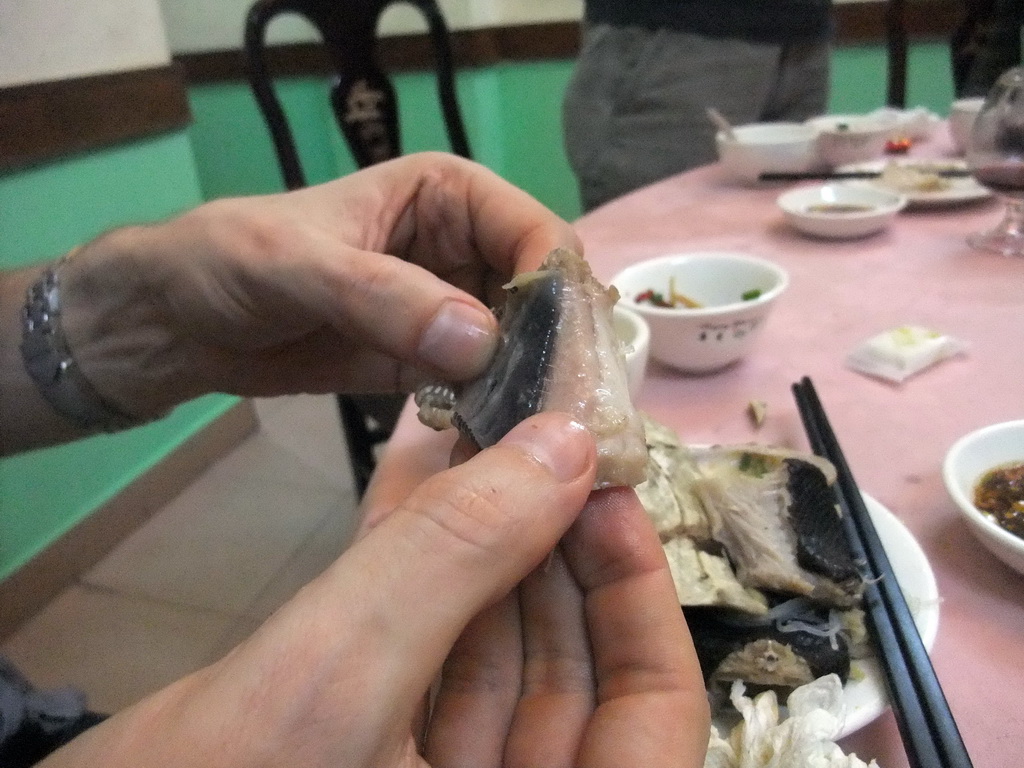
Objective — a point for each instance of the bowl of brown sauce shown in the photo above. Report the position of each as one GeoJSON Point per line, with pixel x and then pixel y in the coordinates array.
{"type": "Point", "coordinates": [840, 211]}
{"type": "Point", "coordinates": [984, 474]}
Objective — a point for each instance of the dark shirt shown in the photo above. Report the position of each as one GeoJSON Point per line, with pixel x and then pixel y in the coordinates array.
{"type": "Point", "coordinates": [768, 21]}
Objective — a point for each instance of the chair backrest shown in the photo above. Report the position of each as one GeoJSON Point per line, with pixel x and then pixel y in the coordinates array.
{"type": "Point", "coordinates": [362, 95]}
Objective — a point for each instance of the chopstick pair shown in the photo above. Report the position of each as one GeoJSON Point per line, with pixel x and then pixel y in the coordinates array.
{"type": "Point", "coordinates": [947, 173]}
{"type": "Point", "coordinates": [929, 732]}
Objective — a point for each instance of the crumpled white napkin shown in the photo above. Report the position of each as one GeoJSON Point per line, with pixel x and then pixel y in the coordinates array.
{"type": "Point", "coordinates": [804, 739]}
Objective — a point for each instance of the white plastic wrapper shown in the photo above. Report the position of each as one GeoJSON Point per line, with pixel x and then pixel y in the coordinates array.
{"type": "Point", "coordinates": [899, 353]}
{"type": "Point", "coordinates": [804, 739]}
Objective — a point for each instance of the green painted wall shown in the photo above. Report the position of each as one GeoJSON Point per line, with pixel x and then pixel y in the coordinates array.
{"type": "Point", "coordinates": [519, 138]}
{"type": "Point", "coordinates": [44, 211]}
{"type": "Point", "coordinates": [512, 114]}
{"type": "Point", "coordinates": [859, 78]}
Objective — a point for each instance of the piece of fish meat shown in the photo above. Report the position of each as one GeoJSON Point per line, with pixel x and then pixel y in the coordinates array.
{"type": "Point", "coordinates": [558, 352]}
{"type": "Point", "coordinates": [759, 559]}
{"type": "Point", "coordinates": [775, 513]}
{"type": "Point", "coordinates": [705, 579]}
{"type": "Point", "coordinates": [791, 645]}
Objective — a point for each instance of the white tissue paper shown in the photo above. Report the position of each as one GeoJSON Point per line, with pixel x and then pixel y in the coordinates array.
{"type": "Point", "coordinates": [804, 739]}
{"type": "Point", "coordinates": [917, 124]}
{"type": "Point", "coordinates": [899, 353]}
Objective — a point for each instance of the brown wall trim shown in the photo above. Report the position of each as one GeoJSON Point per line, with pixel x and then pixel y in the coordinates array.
{"type": "Point", "coordinates": [863, 23]}
{"type": "Point", "coordinates": [25, 592]}
{"type": "Point", "coordinates": [856, 23]}
{"type": "Point", "coordinates": [42, 121]}
{"type": "Point", "coordinates": [470, 48]}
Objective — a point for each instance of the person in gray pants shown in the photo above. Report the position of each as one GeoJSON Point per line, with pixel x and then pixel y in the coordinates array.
{"type": "Point", "coordinates": [635, 109]}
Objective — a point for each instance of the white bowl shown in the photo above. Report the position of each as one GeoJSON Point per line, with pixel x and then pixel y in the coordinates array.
{"type": "Point", "coordinates": [825, 211]}
{"type": "Point", "coordinates": [724, 328]}
{"type": "Point", "coordinates": [970, 458]}
{"type": "Point", "coordinates": [845, 139]}
{"type": "Point", "coordinates": [767, 148]}
{"type": "Point", "coordinates": [635, 337]}
{"type": "Point", "coordinates": [961, 119]}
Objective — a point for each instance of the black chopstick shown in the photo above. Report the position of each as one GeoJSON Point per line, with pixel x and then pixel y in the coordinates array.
{"type": "Point", "coordinates": [929, 732]}
{"type": "Point", "coordinates": [949, 173]}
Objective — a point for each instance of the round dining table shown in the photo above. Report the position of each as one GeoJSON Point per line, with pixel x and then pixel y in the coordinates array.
{"type": "Point", "coordinates": [918, 271]}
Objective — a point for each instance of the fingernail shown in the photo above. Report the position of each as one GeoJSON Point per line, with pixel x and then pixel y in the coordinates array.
{"type": "Point", "coordinates": [562, 445]}
{"type": "Point", "coordinates": [460, 340]}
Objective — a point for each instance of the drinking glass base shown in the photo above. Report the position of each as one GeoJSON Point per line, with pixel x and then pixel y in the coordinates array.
{"type": "Point", "coordinates": [1007, 237]}
{"type": "Point", "coordinates": [998, 240]}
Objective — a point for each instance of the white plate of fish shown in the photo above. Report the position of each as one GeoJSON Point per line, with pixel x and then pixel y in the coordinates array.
{"type": "Point", "coordinates": [925, 183]}
{"type": "Point", "coordinates": [764, 574]}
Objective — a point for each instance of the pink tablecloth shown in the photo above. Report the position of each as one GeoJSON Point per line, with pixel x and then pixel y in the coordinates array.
{"type": "Point", "coordinates": [919, 271]}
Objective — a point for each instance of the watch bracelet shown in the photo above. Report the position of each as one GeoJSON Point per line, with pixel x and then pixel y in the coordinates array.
{"type": "Point", "coordinates": [51, 365]}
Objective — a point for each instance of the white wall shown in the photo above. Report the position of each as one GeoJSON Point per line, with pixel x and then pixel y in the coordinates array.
{"type": "Point", "coordinates": [209, 25]}
{"type": "Point", "coordinates": [43, 40]}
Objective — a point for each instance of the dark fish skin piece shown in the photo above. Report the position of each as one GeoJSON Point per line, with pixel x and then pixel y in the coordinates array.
{"type": "Point", "coordinates": [714, 638]}
{"type": "Point", "coordinates": [513, 388]}
{"type": "Point", "coordinates": [822, 547]}
{"type": "Point", "coordinates": [558, 351]}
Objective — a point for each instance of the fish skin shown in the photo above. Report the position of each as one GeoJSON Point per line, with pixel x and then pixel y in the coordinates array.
{"type": "Point", "coordinates": [512, 388]}
{"type": "Point", "coordinates": [821, 542]}
{"type": "Point", "coordinates": [715, 639]}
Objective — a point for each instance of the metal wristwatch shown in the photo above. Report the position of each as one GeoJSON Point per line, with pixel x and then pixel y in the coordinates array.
{"type": "Point", "coordinates": [50, 363]}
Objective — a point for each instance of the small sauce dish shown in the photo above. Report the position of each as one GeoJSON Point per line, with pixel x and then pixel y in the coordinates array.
{"type": "Point", "coordinates": [635, 339]}
{"type": "Point", "coordinates": [970, 459]}
{"type": "Point", "coordinates": [840, 211]}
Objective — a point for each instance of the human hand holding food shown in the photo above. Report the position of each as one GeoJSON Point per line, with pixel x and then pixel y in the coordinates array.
{"type": "Point", "coordinates": [586, 663]}
{"type": "Point", "coordinates": [362, 284]}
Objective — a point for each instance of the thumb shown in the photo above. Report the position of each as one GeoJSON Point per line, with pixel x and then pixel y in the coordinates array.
{"type": "Point", "coordinates": [465, 538]}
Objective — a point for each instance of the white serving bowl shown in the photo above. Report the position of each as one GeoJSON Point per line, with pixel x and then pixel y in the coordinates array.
{"type": "Point", "coordinates": [971, 457]}
{"type": "Point", "coordinates": [767, 148]}
{"type": "Point", "coordinates": [845, 139]}
{"type": "Point", "coordinates": [961, 119]}
{"type": "Point", "coordinates": [725, 327]}
{"type": "Point", "coordinates": [819, 210]}
{"type": "Point", "coordinates": [635, 337]}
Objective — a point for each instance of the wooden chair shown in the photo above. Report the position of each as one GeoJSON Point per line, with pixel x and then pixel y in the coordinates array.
{"type": "Point", "coordinates": [896, 53]}
{"type": "Point", "coordinates": [364, 103]}
{"type": "Point", "coordinates": [984, 40]}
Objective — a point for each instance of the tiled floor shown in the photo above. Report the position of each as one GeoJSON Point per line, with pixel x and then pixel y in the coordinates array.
{"type": "Point", "coordinates": [204, 571]}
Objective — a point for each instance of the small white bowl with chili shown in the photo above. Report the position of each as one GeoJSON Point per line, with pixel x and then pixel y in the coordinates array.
{"type": "Point", "coordinates": [840, 211]}
{"type": "Point", "coordinates": [704, 309]}
{"type": "Point", "coordinates": [984, 475]}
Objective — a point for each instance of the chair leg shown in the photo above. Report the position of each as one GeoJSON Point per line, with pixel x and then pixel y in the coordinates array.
{"type": "Point", "coordinates": [359, 444]}
{"type": "Point", "coordinates": [367, 421]}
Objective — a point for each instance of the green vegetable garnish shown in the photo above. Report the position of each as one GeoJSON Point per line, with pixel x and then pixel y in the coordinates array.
{"type": "Point", "coordinates": [752, 294]}
{"type": "Point", "coordinates": [757, 465]}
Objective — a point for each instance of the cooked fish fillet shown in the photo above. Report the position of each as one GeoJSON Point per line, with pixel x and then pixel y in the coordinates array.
{"type": "Point", "coordinates": [558, 352]}
{"type": "Point", "coordinates": [705, 579]}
